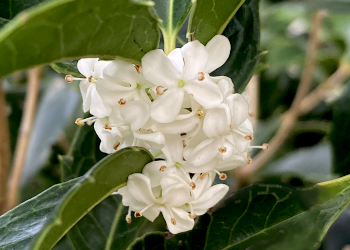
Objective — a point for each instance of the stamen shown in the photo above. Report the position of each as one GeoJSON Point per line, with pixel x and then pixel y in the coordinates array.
{"type": "Point", "coordinates": [183, 59]}
{"type": "Point", "coordinates": [121, 102]}
{"type": "Point", "coordinates": [222, 176]}
{"type": "Point", "coordinates": [251, 114]}
{"type": "Point", "coordinates": [90, 78]}
{"type": "Point", "coordinates": [249, 137]}
{"type": "Point", "coordinates": [70, 78]}
{"type": "Point", "coordinates": [265, 146]}
{"type": "Point", "coordinates": [116, 145]}
{"type": "Point", "coordinates": [107, 126]}
{"type": "Point", "coordinates": [182, 181]}
{"type": "Point", "coordinates": [201, 76]}
{"type": "Point", "coordinates": [184, 143]}
{"type": "Point", "coordinates": [139, 213]}
{"type": "Point", "coordinates": [193, 185]}
{"type": "Point", "coordinates": [173, 221]}
{"type": "Point", "coordinates": [192, 215]}
{"type": "Point", "coordinates": [233, 91]}
{"type": "Point", "coordinates": [138, 68]}
{"type": "Point", "coordinates": [203, 176]}
{"type": "Point", "coordinates": [128, 216]}
{"type": "Point", "coordinates": [249, 160]}
{"type": "Point", "coordinates": [200, 113]}
{"type": "Point", "coordinates": [160, 90]}
{"type": "Point", "coordinates": [223, 150]}
{"type": "Point", "coordinates": [162, 168]}
{"type": "Point", "coordinates": [79, 122]}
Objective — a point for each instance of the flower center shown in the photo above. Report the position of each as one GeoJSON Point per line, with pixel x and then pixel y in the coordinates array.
{"type": "Point", "coordinates": [181, 83]}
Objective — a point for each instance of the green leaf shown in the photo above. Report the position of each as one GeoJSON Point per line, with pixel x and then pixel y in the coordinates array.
{"type": "Point", "coordinates": [3, 21]}
{"type": "Point", "coordinates": [173, 14]}
{"type": "Point", "coordinates": [70, 29]}
{"type": "Point", "coordinates": [340, 133]}
{"type": "Point", "coordinates": [10, 8]}
{"type": "Point", "coordinates": [49, 225]}
{"type": "Point", "coordinates": [243, 31]}
{"type": "Point", "coordinates": [210, 17]}
{"type": "Point", "coordinates": [67, 68]}
{"type": "Point", "coordinates": [261, 217]}
{"type": "Point", "coordinates": [22, 223]}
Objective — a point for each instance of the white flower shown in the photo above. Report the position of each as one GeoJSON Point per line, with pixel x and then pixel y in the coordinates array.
{"type": "Point", "coordinates": [92, 69]}
{"type": "Point", "coordinates": [167, 199]}
{"type": "Point", "coordinates": [184, 70]}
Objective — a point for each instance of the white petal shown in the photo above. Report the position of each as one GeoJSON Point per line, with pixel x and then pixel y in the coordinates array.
{"type": "Point", "coordinates": [209, 199]}
{"type": "Point", "coordinates": [156, 137]}
{"type": "Point", "coordinates": [174, 195]}
{"type": "Point", "coordinates": [98, 69]}
{"type": "Point", "coordinates": [183, 221]}
{"type": "Point", "coordinates": [167, 106]}
{"type": "Point", "coordinates": [158, 69]}
{"type": "Point", "coordinates": [233, 162]}
{"type": "Point", "coordinates": [151, 170]}
{"type": "Point", "coordinates": [218, 48]}
{"type": "Point", "coordinates": [203, 184]}
{"type": "Point", "coordinates": [87, 97]}
{"type": "Point", "coordinates": [139, 186]}
{"type": "Point", "coordinates": [205, 151]}
{"type": "Point", "coordinates": [177, 126]}
{"type": "Point", "coordinates": [135, 113]}
{"type": "Point", "coordinates": [207, 167]}
{"type": "Point", "coordinates": [112, 92]}
{"type": "Point", "coordinates": [216, 123]}
{"type": "Point", "coordinates": [121, 71]}
{"type": "Point", "coordinates": [229, 151]}
{"type": "Point", "coordinates": [98, 108]}
{"type": "Point", "coordinates": [195, 57]}
{"type": "Point", "coordinates": [151, 213]}
{"type": "Point", "coordinates": [176, 58]}
{"type": "Point", "coordinates": [173, 148]}
{"type": "Point", "coordinates": [205, 92]}
{"type": "Point", "coordinates": [239, 109]}
{"type": "Point", "coordinates": [86, 66]}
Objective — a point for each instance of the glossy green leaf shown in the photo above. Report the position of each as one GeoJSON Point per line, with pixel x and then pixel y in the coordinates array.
{"type": "Point", "coordinates": [21, 224]}
{"type": "Point", "coordinates": [47, 218]}
{"type": "Point", "coordinates": [71, 29]}
{"type": "Point", "coordinates": [210, 17]}
{"type": "Point", "coordinates": [10, 8]}
{"type": "Point", "coordinates": [104, 227]}
{"type": "Point", "coordinates": [67, 68]}
{"type": "Point", "coordinates": [262, 217]}
{"type": "Point", "coordinates": [243, 31]}
{"type": "Point", "coordinates": [105, 177]}
{"type": "Point", "coordinates": [3, 21]}
{"type": "Point", "coordinates": [173, 14]}
{"type": "Point", "coordinates": [340, 133]}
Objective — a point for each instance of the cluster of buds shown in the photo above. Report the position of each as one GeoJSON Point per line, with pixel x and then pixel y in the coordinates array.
{"type": "Point", "coordinates": [171, 106]}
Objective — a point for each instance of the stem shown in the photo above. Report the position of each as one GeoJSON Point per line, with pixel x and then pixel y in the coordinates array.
{"type": "Point", "coordinates": [291, 116]}
{"type": "Point", "coordinates": [24, 136]}
{"type": "Point", "coordinates": [5, 154]}
{"type": "Point", "coordinates": [169, 42]}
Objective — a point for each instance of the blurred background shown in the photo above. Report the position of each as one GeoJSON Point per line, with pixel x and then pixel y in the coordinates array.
{"type": "Point", "coordinates": [316, 149]}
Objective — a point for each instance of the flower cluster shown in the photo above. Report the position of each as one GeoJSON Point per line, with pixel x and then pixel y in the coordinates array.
{"type": "Point", "coordinates": [170, 105]}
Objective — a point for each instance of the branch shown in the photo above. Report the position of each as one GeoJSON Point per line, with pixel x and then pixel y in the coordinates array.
{"type": "Point", "coordinates": [289, 119]}
{"type": "Point", "coordinates": [24, 136]}
{"type": "Point", "coordinates": [5, 154]}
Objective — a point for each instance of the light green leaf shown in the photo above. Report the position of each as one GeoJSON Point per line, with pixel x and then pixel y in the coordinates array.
{"type": "Point", "coordinates": [173, 14]}
{"type": "Point", "coordinates": [260, 217]}
{"type": "Point", "coordinates": [210, 17]}
{"type": "Point", "coordinates": [70, 29]}
{"type": "Point", "coordinates": [243, 31]}
{"type": "Point", "coordinates": [54, 216]}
